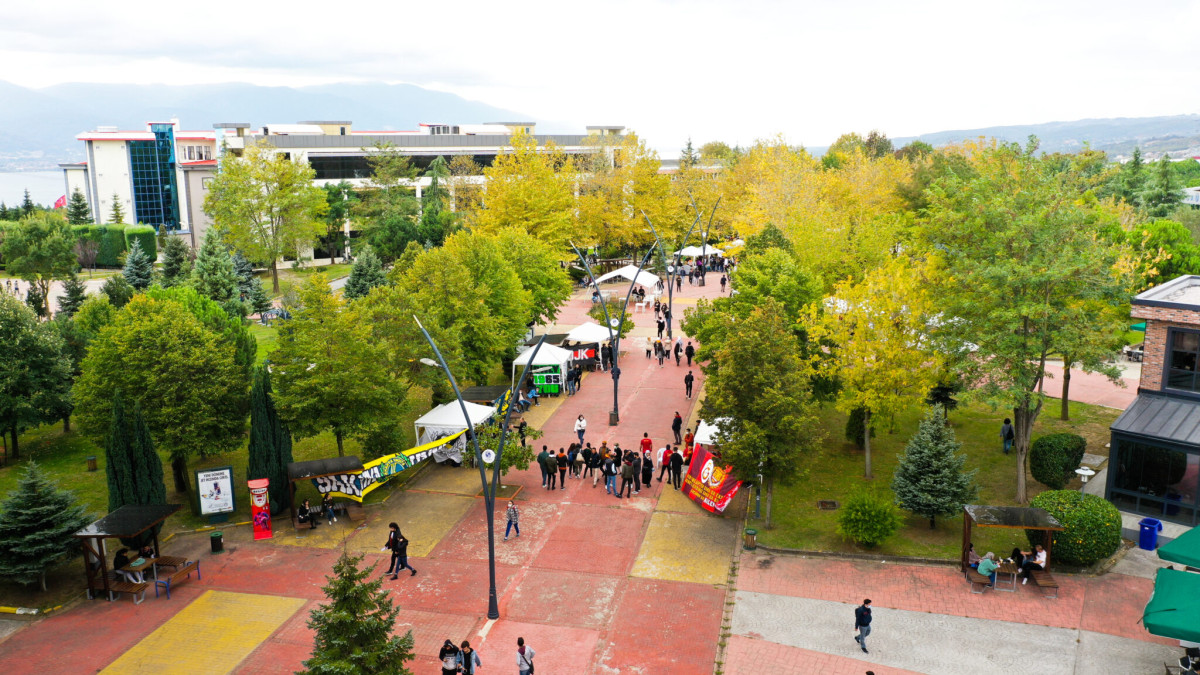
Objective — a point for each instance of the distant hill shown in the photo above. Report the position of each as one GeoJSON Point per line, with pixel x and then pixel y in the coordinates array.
{"type": "Point", "coordinates": [38, 126]}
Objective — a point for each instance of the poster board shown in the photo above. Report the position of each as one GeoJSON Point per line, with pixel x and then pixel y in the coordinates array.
{"type": "Point", "coordinates": [214, 490]}
{"type": "Point", "coordinates": [709, 482]}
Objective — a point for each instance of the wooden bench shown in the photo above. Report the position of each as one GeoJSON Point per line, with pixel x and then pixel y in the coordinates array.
{"type": "Point", "coordinates": [1045, 581]}
{"type": "Point", "coordinates": [172, 561]}
{"type": "Point", "coordinates": [976, 578]}
{"type": "Point", "coordinates": [136, 590]}
{"type": "Point", "coordinates": [180, 575]}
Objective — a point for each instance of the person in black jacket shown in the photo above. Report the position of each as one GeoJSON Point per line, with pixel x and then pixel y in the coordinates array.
{"type": "Point", "coordinates": [305, 515]}
{"type": "Point", "coordinates": [398, 545]}
{"type": "Point", "coordinates": [448, 655]}
{"type": "Point", "coordinates": [862, 624]}
{"type": "Point", "coordinates": [647, 470]}
{"type": "Point", "coordinates": [689, 351]}
{"type": "Point", "coordinates": [676, 468]}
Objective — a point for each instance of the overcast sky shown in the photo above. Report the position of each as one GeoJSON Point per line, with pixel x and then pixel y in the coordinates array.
{"type": "Point", "coordinates": [733, 70]}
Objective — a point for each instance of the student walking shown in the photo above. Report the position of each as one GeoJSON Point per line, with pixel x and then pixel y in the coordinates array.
{"type": "Point", "coordinates": [541, 460]}
{"type": "Point", "coordinates": [687, 383]}
{"type": "Point", "coordinates": [661, 351]}
{"type": "Point", "coordinates": [649, 347]}
{"type": "Point", "coordinates": [676, 468]}
{"type": "Point", "coordinates": [398, 545]}
{"type": "Point", "coordinates": [512, 516]}
{"type": "Point", "coordinates": [637, 474]}
{"type": "Point", "coordinates": [577, 463]}
{"type": "Point", "coordinates": [468, 659]}
{"type": "Point", "coordinates": [862, 624]}
{"type": "Point", "coordinates": [449, 657]}
{"type": "Point", "coordinates": [610, 469]}
{"type": "Point", "coordinates": [664, 462]}
{"type": "Point", "coordinates": [524, 657]}
{"type": "Point", "coordinates": [1007, 434]}
{"type": "Point", "coordinates": [561, 461]}
{"type": "Point", "coordinates": [689, 351]}
{"type": "Point", "coordinates": [662, 325]}
{"type": "Point", "coordinates": [551, 470]}
{"type": "Point", "coordinates": [677, 426]}
{"type": "Point", "coordinates": [678, 351]}
{"type": "Point", "coordinates": [580, 427]}
{"type": "Point", "coordinates": [723, 283]}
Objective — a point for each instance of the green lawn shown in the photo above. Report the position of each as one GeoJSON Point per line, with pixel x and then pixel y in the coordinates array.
{"type": "Point", "coordinates": [266, 337]}
{"type": "Point", "coordinates": [838, 472]}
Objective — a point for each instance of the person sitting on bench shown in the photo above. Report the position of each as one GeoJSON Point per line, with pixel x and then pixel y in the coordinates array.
{"type": "Point", "coordinates": [972, 556]}
{"type": "Point", "coordinates": [1034, 560]}
{"type": "Point", "coordinates": [121, 560]}
{"type": "Point", "coordinates": [306, 515]}
{"type": "Point", "coordinates": [988, 566]}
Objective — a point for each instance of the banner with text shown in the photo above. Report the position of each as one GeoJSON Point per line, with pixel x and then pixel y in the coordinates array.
{"type": "Point", "coordinates": [377, 471]}
{"type": "Point", "coordinates": [708, 483]}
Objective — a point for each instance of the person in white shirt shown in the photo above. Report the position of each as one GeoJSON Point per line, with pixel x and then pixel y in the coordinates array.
{"type": "Point", "coordinates": [580, 427]}
{"type": "Point", "coordinates": [524, 657]}
{"type": "Point", "coordinates": [1035, 560]}
{"type": "Point", "coordinates": [664, 461]}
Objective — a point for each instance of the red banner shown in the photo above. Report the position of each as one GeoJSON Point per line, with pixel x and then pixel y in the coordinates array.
{"type": "Point", "coordinates": [709, 483]}
{"type": "Point", "coordinates": [260, 507]}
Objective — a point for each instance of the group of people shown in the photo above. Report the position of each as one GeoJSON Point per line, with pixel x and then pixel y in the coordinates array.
{"type": "Point", "coordinates": [306, 513]}
{"type": "Point", "coordinates": [12, 287]}
{"type": "Point", "coordinates": [455, 660]}
{"type": "Point", "coordinates": [634, 468]}
{"type": "Point", "coordinates": [122, 559]}
{"type": "Point", "coordinates": [1025, 561]}
{"type": "Point", "coordinates": [657, 349]}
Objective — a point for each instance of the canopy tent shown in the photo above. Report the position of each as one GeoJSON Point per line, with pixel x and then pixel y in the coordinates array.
{"type": "Point", "coordinates": [629, 272]}
{"type": "Point", "coordinates": [126, 522]}
{"type": "Point", "coordinates": [706, 434]}
{"type": "Point", "coordinates": [1010, 517]}
{"type": "Point", "coordinates": [1138, 327]}
{"type": "Point", "coordinates": [447, 419]}
{"type": "Point", "coordinates": [1184, 549]}
{"type": "Point", "coordinates": [589, 332]}
{"type": "Point", "coordinates": [1173, 611]}
{"type": "Point", "coordinates": [693, 251]}
{"type": "Point", "coordinates": [548, 371]}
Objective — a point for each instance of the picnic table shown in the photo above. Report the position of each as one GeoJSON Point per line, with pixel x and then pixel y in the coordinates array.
{"type": "Point", "coordinates": [1007, 572]}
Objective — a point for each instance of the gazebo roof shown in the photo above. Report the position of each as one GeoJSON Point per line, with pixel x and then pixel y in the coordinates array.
{"type": "Point", "coordinates": [323, 467]}
{"type": "Point", "coordinates": [128, 521]}
{"type": "Point", "coordinates": [1018, 517]}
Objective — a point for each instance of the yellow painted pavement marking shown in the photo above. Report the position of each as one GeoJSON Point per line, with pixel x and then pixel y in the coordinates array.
{"type": "Point", "coordinates": [681, 547]}
{"type": "Point", "coordinates": [212, 635]}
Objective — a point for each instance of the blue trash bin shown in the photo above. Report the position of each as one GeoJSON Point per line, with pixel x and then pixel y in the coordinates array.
{"type": "Point", "coordinates": [1148, 540]}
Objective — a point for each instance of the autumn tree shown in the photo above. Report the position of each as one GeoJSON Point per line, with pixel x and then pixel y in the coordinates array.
{"type": "Point", "coordinates": [619, 181]}
{"type": "Point", "coordinates": [530, 187]}
{"type": "Point", "coordinates": [538, 267]}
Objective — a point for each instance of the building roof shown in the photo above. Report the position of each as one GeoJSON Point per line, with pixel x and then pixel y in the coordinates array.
{"type": "Point", "coordinates": [316, 468]}
{"type": "Point", "coordinates": [358, 141]}
{"type": "Point", "coordinates": [1163, 418]}
{"type": "Point", "coordinates": [1017, 517]}
{"type": "Point", "coordinates": [129, 520]}
{"type": "Point", "coordinates": [1180, 293]}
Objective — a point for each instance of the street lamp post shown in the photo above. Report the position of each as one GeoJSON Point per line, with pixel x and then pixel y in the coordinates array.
{"type": "Point", "coordinates": [614, 337]}
{"type": "Point", "coordinates": [489, 490]}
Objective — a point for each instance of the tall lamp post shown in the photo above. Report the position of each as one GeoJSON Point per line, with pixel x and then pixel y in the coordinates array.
{"type": "Point", "coordinates": [489, 490]}
{"type": "Point", "coordinates": [614, 337]}
{"type": "Point", "coordinates": [673, 265]}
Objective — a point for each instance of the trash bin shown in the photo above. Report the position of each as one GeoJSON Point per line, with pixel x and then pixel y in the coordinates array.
{"type": "Point", "coordinates": [91, 463]}
{"type": "Point", "coordinates": [218, 544]}
{"type": "Point", "coordinates": [751, 541]}
{"type": "Point", "coordinates": [1150, 527]}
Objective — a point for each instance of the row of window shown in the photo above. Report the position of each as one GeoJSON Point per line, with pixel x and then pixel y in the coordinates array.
{"type": "Point", "coordinates": [195, 153]}
{"type": "Point", "coordinates": [1182, 358]}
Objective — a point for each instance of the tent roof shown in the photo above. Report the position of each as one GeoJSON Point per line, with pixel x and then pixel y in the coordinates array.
{"type": "Point", "coordinates": [1184, 549]}
{"type": "Point", "coordinates": [1023, 517]}
{"type": "Point", "coordinates": [450, 415]}
{"type": "Point", "coordinates": [129, 520]}
{"type": "Point", "coordinates": [629, 272]}
{"type": "Point", "coordinates": [323, 467]}
{"type": "Point", "coordinates": [707, 433]}
{"type": "Point", "coordinates": [1173, 611]}
{"type": "Point", "coordinates": [589, 332]}
{"type": "Point", "coordinates": [696, 250]}
{"type": "Point", "coordinates": [548, 355]}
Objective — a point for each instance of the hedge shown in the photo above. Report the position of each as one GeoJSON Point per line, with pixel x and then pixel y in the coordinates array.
{"type": "Point", "coordinates": [1093, 526]}
{"type": "Point", "coordinates": [112, 244]}
{"type": "Point", "coordinates": [1054, 458]}
{"type": "Point", "coordinates": [144, 234]}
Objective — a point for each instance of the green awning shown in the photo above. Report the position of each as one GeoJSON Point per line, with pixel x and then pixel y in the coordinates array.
{"type": "Point", "coordinates": [1173, 611]}
{"type": "Point", "coordinates": [1139, 326]}
{"type": "Point", "coordinates": [1184, 550]}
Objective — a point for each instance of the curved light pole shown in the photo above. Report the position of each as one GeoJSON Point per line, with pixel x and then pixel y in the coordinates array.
{"type": "Point", "coordinates": [708, 231]}
{"type": "Point", "coordinates": [489, 491]}
{"type": "Point", "coordinates": [614, 338]}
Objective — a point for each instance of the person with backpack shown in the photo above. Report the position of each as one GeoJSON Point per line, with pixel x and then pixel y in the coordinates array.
{"type": "Point", "coordinates": [524, 657]}
{"type": "Point", "coordinates": [609, 470]}
{"type": "Point", "coordinates": [1007, 434]}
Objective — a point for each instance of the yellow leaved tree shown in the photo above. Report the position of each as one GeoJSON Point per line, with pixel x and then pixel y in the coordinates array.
{"type": "Point", "coordinates": [530, 187]}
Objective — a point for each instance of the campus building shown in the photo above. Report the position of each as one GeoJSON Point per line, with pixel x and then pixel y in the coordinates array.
{"type": "Point", "coordinates": [1154, 458]}
{"type": "Point", "coordinates": [160, 176]}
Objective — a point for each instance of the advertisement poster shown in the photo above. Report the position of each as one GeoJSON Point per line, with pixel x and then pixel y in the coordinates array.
{"type": "Point", "coordinates": [376, 472]}
{"type": "Point", "coordinates": [215, 490]}
{"type": "Point", "coordinates": [260, 507]}
{"type": "Point", "coordinates": [710, 483]}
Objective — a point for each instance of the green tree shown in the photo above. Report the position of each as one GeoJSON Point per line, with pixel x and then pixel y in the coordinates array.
{"type": "Point", "coordinates": [339, 199]}
{"type": "Point", "coordinates": [367, 273]}
{"type": "Point", "coordinates": [27, 205]}
{"type": "Point", "coordinates": [270, 442]}
{"type": "Point", "coordinates": [877, 145]}
{"type": "Point", "coordinates": [38, 523]}
{"type": "Point", "coordinates": [930, 480]}
{"type": "Point", "coordinates": [75, 342]}
{"type": "Point", "coordinates": [213, 273]}
{"type": "Point", "coordinates": [40, 250]}
{"type": "Point", "coordinates": [869, 518]}
{"type": "Point", "coordinates": [388, 208]}
{"type": "Point", "coordinates": [769, 237]}
{"type": "Point", "coordinates": [183, 375]}
{"type": "Point", "coordinates": [688, 158]}
{"type": "Point", "coordinates": [177, 262]}
{"type": "Point", "coordinates": [758, 381]}
{"type": "Point", "coordinates": [94, 314]}
{"type": "Point", "coordinates": [329, 374]}
{"type": "Point", "coordinates": [1163, 194]}
{"type": "Point", "coordinates": [35, 375]}
{"type": "Point", "coordinates": [36, 301]}
{"type": "Point", "coordinates": [74, 294]}
{"type": "Point", "coordinates": [267, 204]}
{"type": "Point", "coordinates": [132, 466]}
{"type": "Point", "coordinates": [78, 211]}
{"type": "Point", "coordinates": [117, 215]}
{"type": "Point", "coordinates": [354, 629]}
{"type": "Point", "coordinates": [139, 268]}
{"type": "Point", "coordinates": [437, 220]}
{"type": "Point", "coordinates": [117, 290]}
{"type": "Point", "coordinates": [539, 269]}
{"type": "Point", "coordinates": [216, 318]}
{"type": "Point", "coordinates": [529, 187]}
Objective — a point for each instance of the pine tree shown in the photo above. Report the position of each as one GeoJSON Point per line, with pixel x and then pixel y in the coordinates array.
{"type": "Point", "coordinates": [1164, 193]}
{"type": "Point", "coordinates": [177, 262]}
{"type": "Point", "coordinates": [213, 274]}
{"type": "Point", "coordinates": [259, 301]}
{"type": "Point", "coordinates": [930, 480]}
{"type": "Point", "coordinates": [35, 300]}
{"type": "Point", "coordinates": [37, 527]}
{"type": "Point", "coordinates": [354, 629]}
{"type": "Point", "coordinates": [118, 214]}
{"type": "Point", "coordinates": [78, 211]}
{"type": "Point", "coordinates": [132, 466]}
{"type": "Point", "coordinates": [4, 215]}
{"type": "Point", "coordinates": [366, 274]}
{"type": "Point", "coordinates": [688, 158]}
{"type": "Point", "coordinates": [118, 290]}
{"type": "Point", "coordinates": [139, 268]}
{"type": "Point", "coordinates": [244, 270]}
{"type": "Point", "coordinates": [27, 205]}
{"type": "Point", "coordinates": [74, 295]}
{"type": "Point", "coordinates": [270, 442]}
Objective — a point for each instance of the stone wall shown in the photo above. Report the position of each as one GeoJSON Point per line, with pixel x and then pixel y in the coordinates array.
{"type": "Point", "coordinates": [1158, 321]}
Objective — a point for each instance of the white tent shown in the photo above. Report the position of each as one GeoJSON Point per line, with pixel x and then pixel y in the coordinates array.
{"type": "Point", "coordinates": [549, 356]}
{"type": "Point", "coordinates": [629, 272]}
{"type": "Point", "coordinates": [706, 434]}
{"type": "Point", "coordinates": [589, 332]}
{"type": "Point", "coordinates": [692, 251]}
{"type": "Point", "coordinates": [447, 419]}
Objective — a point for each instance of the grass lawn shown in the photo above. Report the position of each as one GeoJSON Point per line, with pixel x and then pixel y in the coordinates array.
{"type": "Point", "coordinates": [265, 336]}
{"type": "Point", "coordinates": [838, 472]}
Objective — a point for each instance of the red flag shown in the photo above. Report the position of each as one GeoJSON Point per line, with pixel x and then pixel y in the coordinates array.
{"type": "Point", "coordinates": [708, 483]}
{"type": "Point", "coordinates": [60, 202]}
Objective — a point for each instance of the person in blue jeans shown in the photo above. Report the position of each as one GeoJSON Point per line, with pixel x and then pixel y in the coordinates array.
{"type": "Point", "coordinates": [1007, 434]}
{"type": "Point", "coordinates": [512, 516]}
{"type": "Point", "coordinates": [862, 623]}
{"type": "Point", "coordinates": [988, 566]}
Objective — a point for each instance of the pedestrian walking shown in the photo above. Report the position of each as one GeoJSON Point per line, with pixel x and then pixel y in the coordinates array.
{"type": "Point", "coordinates": [577, 463]}
{"type": "Point", "coordinates": [522, 428]}
{"type": "Point", "coordinates": [862, 624]}
{"type": "Point", "coordinates": [678, 352]}
{"type": "Point", "coordinates": [662, 325]}
{"type": "Point", "coordinates": [588, 455]}
{"type": "Point", "coordinates": [468, 659]}
{"type": "Point", "coordinates": [676, 468]}
{"type": "Point", "coordinates": [678, 284]}
{"type": "Point", "coordinates": [541, 460]}
{"type": "Point", "coordinates": [647, 469]}
{"type": "Point", "coordinates": [677, 426]}
{"type": "Point", "coordinates": [626, 479]}
{"type": "Point", "coordinates": [1007, 434]}
{"type": "Point", "coordinates": [660, 351]}
{"type": "Point", "coordinates": [649, 347]}
{"type": "Point", "coordinates": [580, 427]}
{"type": "Point", "coordinates": [512, 516]}
{"type": "Point", "coordinates": [664, 462]}
{"type": "Point", "coordinates": [687, 383]}
{"type": "Point", "coordinates": [689, 351]}
{"type": "Point", "coordinates": [524, 657]}
{"type": "Point", "coordinates": [398, 545]}
{"type": "Point", "coordinates": [570, 382]}
{"type": "Point", "coordinates": [448, 655]}
{"type": "Point", "coordinates": [562, 469]}
{"type": "Point", "coordinates": [723, 280]}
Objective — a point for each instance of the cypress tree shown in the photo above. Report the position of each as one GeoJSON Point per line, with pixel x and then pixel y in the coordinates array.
{"type": "Point", "coordinates": [74, 295]}
{"type": "Point", "coordinates": [4, 211]}
{"type": "Point", "coordinates": [270, 441]}
{"type": "Point", "coordinates": [148, 484]}
{"type": "Point", "coordinates": [366, 274]}
{"type": "Point", "coordinates": [117, 452]}
{"type": "Point", "coordinates": [930, 480]}
{"type": "Point", "coordinates": [177, 262]}
{"type": "Point", "coordinates": [78, 211]}
{"type": "Point", "coordinates": [37, 526]}
{"type": "Point", "coordinates": [139, 268]}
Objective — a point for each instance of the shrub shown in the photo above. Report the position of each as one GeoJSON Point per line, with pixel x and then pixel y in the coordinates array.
{"type": "Point", "coordinates": [1093, 526]}
{"type": "Point", "coordinates": [869, 518]}
{"type": "Point", "coordinates": [146, 236]}
{"type": "Point", "coordinates": [1054, 458]}
{"type": "Point", "coordinates": [112, 244]}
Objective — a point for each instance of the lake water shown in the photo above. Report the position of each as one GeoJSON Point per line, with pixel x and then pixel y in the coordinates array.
{"type": "Point", "coordinates": [44, 186]}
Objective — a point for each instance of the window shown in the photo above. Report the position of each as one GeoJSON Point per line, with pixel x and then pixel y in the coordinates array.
{"type": "Point", "coordinates": [152, 168]}
{"type": "Point", "coordinates": [1183, 353]}
{"type": "Point", "coordinates": [206, 182]}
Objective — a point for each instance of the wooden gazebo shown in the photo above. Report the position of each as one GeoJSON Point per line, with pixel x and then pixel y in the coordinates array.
{"type": "Point", "coordinates": [126, 522]}
{"type": "Point", "coordinates": [1010, 517]}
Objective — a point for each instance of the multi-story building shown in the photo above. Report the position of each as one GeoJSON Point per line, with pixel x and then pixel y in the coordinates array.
{"type": "Point", "coordinates": [160, 175]}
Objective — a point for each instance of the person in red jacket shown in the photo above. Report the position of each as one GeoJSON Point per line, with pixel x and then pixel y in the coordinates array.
{"type": "Point", "coordinates": [689, 440]}
{"type": "Point", "coordinates": [687, 455]}
{"type": "Point", "coordinates": [647, 444]}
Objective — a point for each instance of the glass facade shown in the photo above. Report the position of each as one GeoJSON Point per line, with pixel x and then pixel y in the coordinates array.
{"type": "Point", "coordinates": [152, 167]}
{"type": "Point", "coordinates": [346, 167]}
{"type": "Point", "coordinates": [1183, 352]}
{"type": "Point", "coordinates": [1155, 480]}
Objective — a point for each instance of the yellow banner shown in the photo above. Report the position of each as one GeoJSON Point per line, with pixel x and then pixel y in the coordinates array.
{"type": "Point", "coordinates": [377, 471]}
